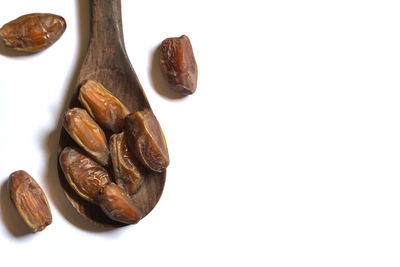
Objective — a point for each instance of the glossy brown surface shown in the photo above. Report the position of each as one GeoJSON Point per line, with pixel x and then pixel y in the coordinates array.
{"type": "Point", "coordinates": [146, 140]}
{"type": "Point", "coordinates": [179, 65]}
{"type": "Point", "coordinates": [83, 174]}
{"type": "Point", "coordinates": [87, 134]}
{"type": "Point", "coordinates": [106, 62]}
{"type": "Point", "coordinates": [117, 205]}
{"type": "Point", "coordinates": [30, 200]}
{"type": "Point", "coordinates": [128, 171]}
{"type": "Point", "coordinates": [103, 106]}
{"type": "Point", "coordinates": [33, 32]}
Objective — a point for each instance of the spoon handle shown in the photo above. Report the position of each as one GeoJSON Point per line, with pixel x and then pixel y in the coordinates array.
{"type": "Point", "coordinates": [106, 49]}
{"type": "Point", "coordinates": [106, 24]}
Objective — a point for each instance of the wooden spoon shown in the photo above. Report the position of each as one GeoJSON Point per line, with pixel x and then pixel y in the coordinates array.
{"type": "Point", "coordinates": [107, 62]}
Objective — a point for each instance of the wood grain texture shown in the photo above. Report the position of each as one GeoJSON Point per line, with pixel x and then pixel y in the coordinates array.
{"type": "Point", "coordinates": [107, 62]}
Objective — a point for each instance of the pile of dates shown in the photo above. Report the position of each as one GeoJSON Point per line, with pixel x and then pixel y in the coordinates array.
{"type": "Point", "coordinates": [135, 147]}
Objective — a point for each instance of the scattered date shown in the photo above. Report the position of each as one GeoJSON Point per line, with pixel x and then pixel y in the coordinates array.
{"type": "Point", "coordinates": [179, 65]}
{"type": "Point", "coordinates": [33, 32]}
{"type": "Point", "coordinates": [30, 200]}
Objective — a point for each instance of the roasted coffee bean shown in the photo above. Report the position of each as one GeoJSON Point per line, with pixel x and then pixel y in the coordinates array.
{"type": "Point", "coordinates": [128, 171]}
{"type": "Point", "coordinates": [29, 200]}
{"type": "Point", "coordinates": [33, 32]}
{"type": "Point", "coordinates": [179, 65]}
{"type": "Point", "coordinates": [146, 140]}
{"type": "Point", "coordinates": [87, 134]}
{"type": "Point", "coordinates": [104, 107]}
{"type": "Point", "coordinates": [117, 205]}
{"type": "Point", "coordinates": [83, 174]}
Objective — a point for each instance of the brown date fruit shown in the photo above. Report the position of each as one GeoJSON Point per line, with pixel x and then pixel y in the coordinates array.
{"type": "Point", "coordinates": [146, 140]}
{"type": "Point", "coordinates": [103, 106]}
{"type": "Point", "coordinates": [128, 171]}
{"type": "Point", "coordinates": [30, 200]}
{"type": "Point", "coordinates": [83, 174]}
{"type": "Point", "coordinates": [33, 32]}
{"type": "Point", "coordinates": [87, 134]}
{"type": "Point", "coordinates": [179, 65]}
{"type": "Point", "coordinates": [117, 205]}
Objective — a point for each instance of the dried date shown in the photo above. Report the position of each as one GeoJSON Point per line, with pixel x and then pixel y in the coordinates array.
{"type": "Point", "coordinates": [117, 205]}
{"type": "Point", "coordinates": [83, 174]}
{"type": "Point", "coordinates": [128, 171]}
{"type": "Point", "coordinates": [33, 32]}
{"type": "Point", "coordinates": [103, 106]}
{"type": "Point", "coordinates": [87, 134]}
{"type": "Point", "coordinates": [179, 65]}
{"type": "Point", "coordinates": [146, 140]}
{"type": "Point", "coordinates": [30, 200]}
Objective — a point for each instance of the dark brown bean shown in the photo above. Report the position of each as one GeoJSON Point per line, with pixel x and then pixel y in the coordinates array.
{"type": "Point", "coordinates": [146, 140]}
{"type": "Point", "coordinates": [83, 174]}
{"type": "Point", "coordinates": [33, 32]}
{"type": "Point", "coordinates": [30, 200]}
{"type": "Point", "coordinates": [103, 106]}
{"type": "Point", "coordinates": [117, 205]}
{"type": "Point", "coordinates": [179, 65]}
{"type": "Point", "coordinates": [128, 171]}
{"type": "Point", "coordinates": [87, 134]}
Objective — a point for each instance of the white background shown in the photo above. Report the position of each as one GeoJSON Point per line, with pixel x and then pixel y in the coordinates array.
{"type": "Point", "coordinates": [287, 154]}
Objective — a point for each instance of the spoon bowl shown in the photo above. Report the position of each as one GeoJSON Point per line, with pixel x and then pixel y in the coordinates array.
{"type": "Point", "coordinates": [107, 62]}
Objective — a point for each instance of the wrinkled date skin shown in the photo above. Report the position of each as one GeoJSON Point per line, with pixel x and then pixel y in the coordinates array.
{"type": "Point", "coordinates": [179, 65]}
{"type": "Point", "coordinates": [117, 205]}
{"type": "Point", "coordinates": [104, 107]}
{"type": "Point", "coordinates": [33, 32]}
{"type": "Point", "coordinates": [87, 134]}
{"type": "Point", "coordinates": [128, 171]}
{"type": "Point", "coordinates": [83, 174]}
{"type": "Point", "coordinates": [146, 140]}
{"type": "Point", "coordinates": [29, 200]}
